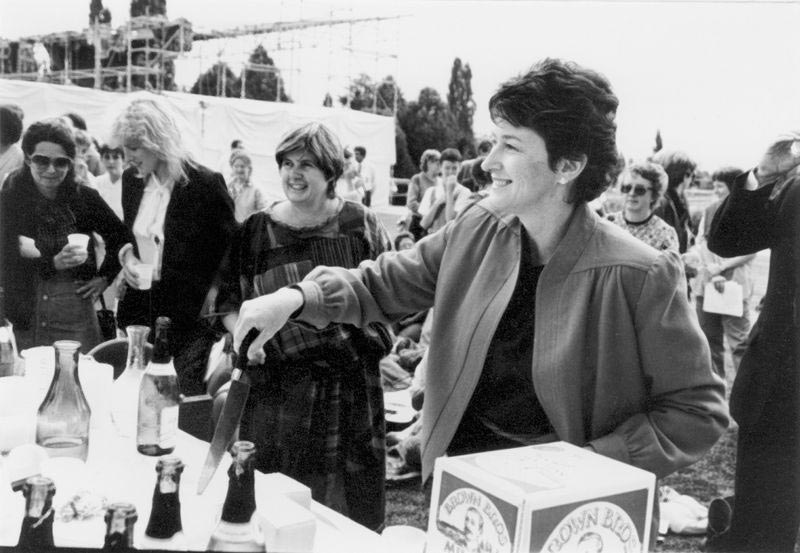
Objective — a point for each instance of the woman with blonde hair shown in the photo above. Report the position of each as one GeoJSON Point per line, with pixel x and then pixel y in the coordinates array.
{"type": "Point", "coordinates": [182, 220]}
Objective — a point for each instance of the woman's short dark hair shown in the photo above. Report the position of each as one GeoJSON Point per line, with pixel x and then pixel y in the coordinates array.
{"type": "Point", "coordinates": [450, 154]}
{"type": "Point", "coordinates": [108, 149]}
{"type": "Point", "coordinates": [48, 130]}
{"type": "Point", "coordinates": [318, 141]}
{"type": "Point", "coordinates": [677, 165]}
{"type": "Point", "coordinates": [51, 130]}
{"type": "Point", "coordinates": [573, 109]}
{"type": "Point", "coordinates": [726, 175]}
{"type": "Point", "coordinates": [10, 126]}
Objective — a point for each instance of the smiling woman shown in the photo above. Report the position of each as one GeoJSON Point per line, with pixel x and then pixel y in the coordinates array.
{"type": "Point", "coordinates": [316, 412]}
{"type": "Point", "coordinates": [50, 281]}
{"type": "Point", "coordinates": [549, 322]}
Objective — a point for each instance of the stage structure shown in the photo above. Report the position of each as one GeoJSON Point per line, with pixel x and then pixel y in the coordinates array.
{"type": "Point", "coordinates": [141, 55]}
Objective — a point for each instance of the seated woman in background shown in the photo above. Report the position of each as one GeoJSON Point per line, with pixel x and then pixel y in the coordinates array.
{"type": "Point", "coordinates": [181, 218]}
{"type": "Point", "coordinates": [643, 185]}
{"type": "Point", "coordinates": [316, 408]}
{"type": "Point", "coordinates": [50, 285]}
{"type": "Point", "coordinates": [549, 323]}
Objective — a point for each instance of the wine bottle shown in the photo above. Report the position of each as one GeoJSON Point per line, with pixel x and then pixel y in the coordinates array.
{"type": "Point", "coordinates": [165, 529]}
{"type": "Point", "coordinates": [236, 531]}
{"type": "Point", "coordinates": [120, 518]}
{"type": "Point", "coordinates": [37, 526]}
{"type": "Point", "coordinates": [62, 423]}
{"type": "Point", "coordinates": [157, 426]}
{"type": "Point", "coordinates": [125, 390]}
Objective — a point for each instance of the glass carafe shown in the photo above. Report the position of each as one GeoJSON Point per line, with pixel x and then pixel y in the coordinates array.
{"type": "Point", "coordinates": [62, 424]}
{"type": "Point", "coordinates": [125, 390]}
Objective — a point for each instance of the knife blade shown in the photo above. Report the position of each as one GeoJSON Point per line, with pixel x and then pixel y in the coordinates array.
{"type": "Point", "coordinates": [229, 417]}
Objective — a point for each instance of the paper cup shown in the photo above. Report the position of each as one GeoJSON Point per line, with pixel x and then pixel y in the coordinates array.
{"type": "Point", "coordinates": [80, 240]}
{"type": "Point", "coordinates": [403, 539]}
{"type": "Point", "coordinates": [144, 273]}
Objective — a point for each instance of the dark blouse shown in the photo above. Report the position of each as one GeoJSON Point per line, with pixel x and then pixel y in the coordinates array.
{"type": "Point", "coordinates": [24, 211]}
{"type": "Point", "coordinates": [504, 410]}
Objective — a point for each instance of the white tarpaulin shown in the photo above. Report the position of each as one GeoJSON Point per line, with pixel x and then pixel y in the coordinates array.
{"type": "Point", "coordinates": [208, 124]}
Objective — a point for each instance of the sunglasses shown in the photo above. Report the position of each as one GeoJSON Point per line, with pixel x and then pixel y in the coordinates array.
{"type": "Point", "coordinates": [638, 190]}
{"type": "Point", "coordinates": [42, 163]}
{"type": "Point", "coordinates": [112, 155]}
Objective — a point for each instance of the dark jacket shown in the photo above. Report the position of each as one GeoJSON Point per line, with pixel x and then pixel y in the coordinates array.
{"type": "Point", "coordinates": [198, 228]}
{"type": "Point", "coordinates": [17, 217]}
{"type": "Point", "coordinates": [745, 223]}
{"type": "Point", "coordinates": [673, 209]}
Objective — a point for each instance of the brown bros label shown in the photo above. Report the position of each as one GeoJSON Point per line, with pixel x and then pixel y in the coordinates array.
{"type": "Point", "coordinates": [469, 520]}
{"type": "Point", "coordinates": [594, 526]}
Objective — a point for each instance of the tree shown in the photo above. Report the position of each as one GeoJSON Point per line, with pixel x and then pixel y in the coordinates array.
{"type": "Point", "coordinates": [404, 166]}
{"type": "Point", "coordinates": [148, 7]}
{"type": "Point", "coordinates": [210, 83]}
{"type": "Point", "coordinates": [381, 99]}
{"type": "Point", "coordinates": [428, 123]}
{"type": "Point", "coordinates": [362, 95]}
{"type": "Point", "coordinates": [462, 106]}
{"type": "Point", "coordinates": [328, 101]}
{"type": "Point", "coordinates": [263, 80]}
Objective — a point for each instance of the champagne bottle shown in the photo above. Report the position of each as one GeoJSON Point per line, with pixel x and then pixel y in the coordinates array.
{"type": "Point", "coordinates": [125, 390]}
{"type": "Point", "coordinates": [157, 426]}
{"type": "Point", "coordinates": [37, 526]}
{"type": "Point", "coordinates": [236, 531]}
{"type": "Point", "coordinates": [62, 423]}
{"type": "Point", "coordinates": [165, 529]}
{"type": "Point", "coordinates": [120, 518]}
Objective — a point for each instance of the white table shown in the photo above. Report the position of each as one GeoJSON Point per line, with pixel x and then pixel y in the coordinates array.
{"type": "Point", "coordinates": [117, 471]}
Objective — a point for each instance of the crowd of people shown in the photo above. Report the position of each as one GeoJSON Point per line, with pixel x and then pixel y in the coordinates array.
{"type": "Point", "coordinates": [518, 306]}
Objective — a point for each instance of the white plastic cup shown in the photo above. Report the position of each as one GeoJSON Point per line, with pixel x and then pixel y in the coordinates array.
{"type": "Point", "coordinates": [144, 274]}
{"type": "Point", "coordinates": [403, 539]}
{"type": "Point", "coordinates": [80, 240]}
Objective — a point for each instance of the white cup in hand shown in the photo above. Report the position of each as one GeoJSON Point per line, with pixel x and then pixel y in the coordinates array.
{"type": "Point", "coordinates": [144, 275]}
{"type": "Point", "coordinates": [79, 240]}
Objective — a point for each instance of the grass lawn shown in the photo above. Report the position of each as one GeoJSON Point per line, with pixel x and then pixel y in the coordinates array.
{"type": "Point", "coordinates": [710, 477]}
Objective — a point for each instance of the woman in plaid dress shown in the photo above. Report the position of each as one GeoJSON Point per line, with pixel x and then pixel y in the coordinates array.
{"type": "Point", "coordinates": [316, 410]}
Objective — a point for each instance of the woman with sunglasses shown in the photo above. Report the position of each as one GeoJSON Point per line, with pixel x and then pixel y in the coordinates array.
{"type": "Point", "coordinates": [643, 184]}
{"type": "Point", "coordinates": [50, 285]}
{"type": "Point", "coordinates": [549, 322]}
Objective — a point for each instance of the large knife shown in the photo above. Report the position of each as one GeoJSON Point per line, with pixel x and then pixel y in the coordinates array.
{"type": "Point", "coordinates": [229, 417]}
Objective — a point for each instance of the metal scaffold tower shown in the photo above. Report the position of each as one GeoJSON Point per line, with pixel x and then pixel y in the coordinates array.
{"type": "Point", "coordinates": [142, 53]}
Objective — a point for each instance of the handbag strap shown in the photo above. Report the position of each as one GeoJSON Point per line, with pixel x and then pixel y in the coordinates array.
{"type": "Point", "coordinates": [103, 302]}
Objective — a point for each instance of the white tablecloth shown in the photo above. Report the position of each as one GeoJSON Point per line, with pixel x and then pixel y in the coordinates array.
{"type": "Point", "coordinates": [118, 472]}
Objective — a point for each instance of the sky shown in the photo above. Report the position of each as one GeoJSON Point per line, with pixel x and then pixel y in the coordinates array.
{"type": "Point", "coordinates": [719, 79]}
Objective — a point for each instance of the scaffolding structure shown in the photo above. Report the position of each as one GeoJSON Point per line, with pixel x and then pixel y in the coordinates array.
{"type": "Point", "coordinates": [141, 54]}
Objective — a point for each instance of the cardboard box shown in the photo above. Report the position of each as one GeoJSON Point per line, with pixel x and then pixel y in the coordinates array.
{"type": "Point", "coordinates": [548, 498]}
{"type": "Point", "coordinates": [286, 525]}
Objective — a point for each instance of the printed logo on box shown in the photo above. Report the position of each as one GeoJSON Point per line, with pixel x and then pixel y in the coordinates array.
{"type": "Point", "coordinates": [592, 528]}
{"type": "Point", "coordinates": [469, 522]}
